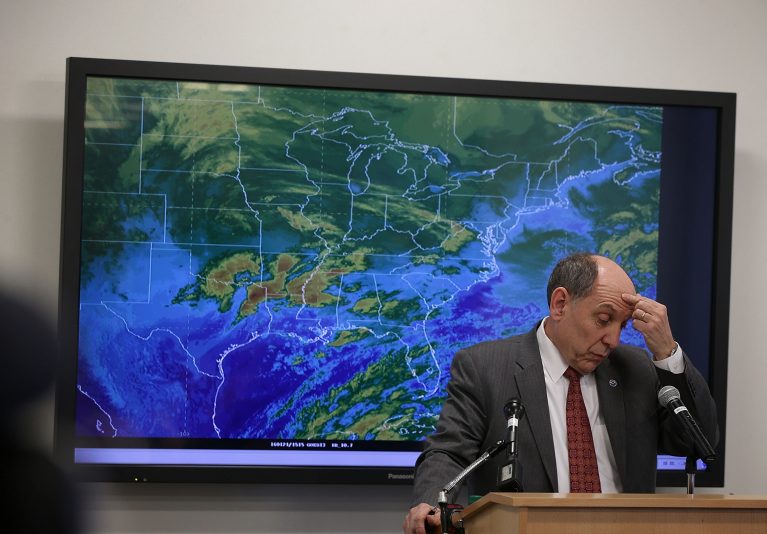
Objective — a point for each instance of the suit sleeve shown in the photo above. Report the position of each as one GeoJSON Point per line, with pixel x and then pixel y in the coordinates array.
{"type": "Point", "coordinates": [459, 434]}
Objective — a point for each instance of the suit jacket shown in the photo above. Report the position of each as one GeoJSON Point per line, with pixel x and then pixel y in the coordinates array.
{"type": "Point", "coordinates": [485, 376]}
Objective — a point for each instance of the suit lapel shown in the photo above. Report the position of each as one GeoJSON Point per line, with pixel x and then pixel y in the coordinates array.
{"type": "Point", "coordinates": [532, 389]}
{"type": "Point", "coordinates": [610, 392]}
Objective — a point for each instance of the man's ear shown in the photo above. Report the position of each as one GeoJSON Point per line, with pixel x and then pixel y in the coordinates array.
{"type": "Point", "coordinates": [560, 298]}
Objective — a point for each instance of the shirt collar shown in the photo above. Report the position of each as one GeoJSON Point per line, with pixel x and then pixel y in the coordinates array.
{"type": "Point", "coordinates": [554, 364]}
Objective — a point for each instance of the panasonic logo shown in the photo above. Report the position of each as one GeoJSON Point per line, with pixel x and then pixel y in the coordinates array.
{"type": "Point", "coordinates": [394, 476]}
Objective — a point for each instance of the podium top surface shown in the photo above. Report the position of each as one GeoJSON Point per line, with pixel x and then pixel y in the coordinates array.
{"type": "Point", "coordinates": [617, 500]}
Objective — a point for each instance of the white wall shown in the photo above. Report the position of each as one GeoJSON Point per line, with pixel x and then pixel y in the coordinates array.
{"type": "Point", "coordinates": [680, 44]}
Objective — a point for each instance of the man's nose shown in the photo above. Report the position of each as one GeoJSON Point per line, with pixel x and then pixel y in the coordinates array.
{"type": "Point", "coordinates": [613, 337]}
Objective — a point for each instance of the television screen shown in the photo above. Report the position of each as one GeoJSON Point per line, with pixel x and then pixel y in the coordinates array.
{"type": "Point", "coordinates": [266, 270]}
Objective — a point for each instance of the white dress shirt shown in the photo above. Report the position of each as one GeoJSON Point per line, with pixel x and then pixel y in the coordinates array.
{"type": "Point", "coordinates": [554, 366]}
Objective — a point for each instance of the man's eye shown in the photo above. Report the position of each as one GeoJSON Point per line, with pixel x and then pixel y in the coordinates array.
{"type": "Point", "coordinates": [603, 321]}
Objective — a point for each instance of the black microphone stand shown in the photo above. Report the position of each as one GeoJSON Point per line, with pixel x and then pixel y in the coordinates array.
{"type": "Point", "coordinates": [444, 508]}
{"type": "Point", "coordinates": [690, 467]}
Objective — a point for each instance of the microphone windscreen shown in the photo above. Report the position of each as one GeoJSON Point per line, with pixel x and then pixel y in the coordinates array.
{"type": "Point", "coordinates": [666, 394]}
{"type": "Point", "coordinates": [511, 406]}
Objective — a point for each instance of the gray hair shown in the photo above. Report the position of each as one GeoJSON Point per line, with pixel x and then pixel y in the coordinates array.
{"type": "Point", "coordinates": [576, 273]}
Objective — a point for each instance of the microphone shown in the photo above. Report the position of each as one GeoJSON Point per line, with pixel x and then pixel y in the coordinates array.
{"type": "Point", "coordinates": [513, 410]}
{"type": "Point", "coordinates": [509, 473]}
{"type": "Point", "coordinates": [668, 396]}
{"type": "Point", "coordinates": [442, 498]}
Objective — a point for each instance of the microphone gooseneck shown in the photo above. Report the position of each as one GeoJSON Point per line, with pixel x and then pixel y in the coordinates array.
{"type": "Point", "coordinates": [442, 498]}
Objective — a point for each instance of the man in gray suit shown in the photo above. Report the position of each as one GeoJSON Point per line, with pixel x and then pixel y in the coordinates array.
{"type": "Point", "coordinates": [591, 299]}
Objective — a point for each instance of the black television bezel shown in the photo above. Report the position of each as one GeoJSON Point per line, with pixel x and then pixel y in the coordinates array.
{"type": "Point", "coordinates": [80, 68]}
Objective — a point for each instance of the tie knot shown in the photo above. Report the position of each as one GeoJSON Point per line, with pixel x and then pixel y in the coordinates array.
{"type": "Point", "coordinates": [571, 374]}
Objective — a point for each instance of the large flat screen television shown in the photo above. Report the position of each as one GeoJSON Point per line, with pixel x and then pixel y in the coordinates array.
{"type": "Point", "coordinates": [267, 272]}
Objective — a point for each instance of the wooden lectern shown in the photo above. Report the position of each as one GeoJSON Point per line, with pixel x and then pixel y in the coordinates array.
{"type": "Point", "coordinates": [582, 513]}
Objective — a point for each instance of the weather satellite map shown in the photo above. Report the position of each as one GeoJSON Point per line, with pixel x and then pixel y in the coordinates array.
{"type": "Point", "coordinates": [302, 263]}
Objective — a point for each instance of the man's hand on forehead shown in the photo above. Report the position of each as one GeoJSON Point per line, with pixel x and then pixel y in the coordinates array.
{"type": "Point", "coordinates": [651, 320]}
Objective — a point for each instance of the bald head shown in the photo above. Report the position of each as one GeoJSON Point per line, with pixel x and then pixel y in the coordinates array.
{"type": "Point", "coordinates": [578, 273]}
{"type": "Point", "coordinates": [613, 275]}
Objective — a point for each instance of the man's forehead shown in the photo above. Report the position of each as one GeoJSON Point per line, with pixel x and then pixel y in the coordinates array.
{"type": "Point", "coordinates": [610, 307]}
{"type": "Point", "coordinates": [611, 277]}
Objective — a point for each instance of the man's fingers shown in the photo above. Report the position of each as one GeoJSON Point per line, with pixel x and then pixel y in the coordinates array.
{"type": "Point", "coordinates": [420, 519]}
{"type": "Point", "coordinates": [631, 298]}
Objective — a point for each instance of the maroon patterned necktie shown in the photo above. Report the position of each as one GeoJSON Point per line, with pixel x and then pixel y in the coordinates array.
{"type": "Point", "coordinates": [584, 472]}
